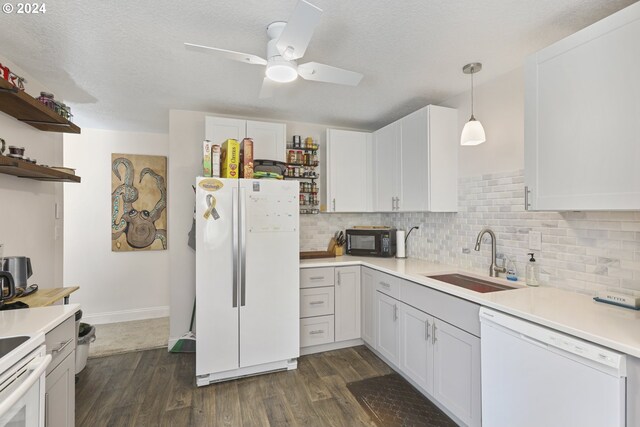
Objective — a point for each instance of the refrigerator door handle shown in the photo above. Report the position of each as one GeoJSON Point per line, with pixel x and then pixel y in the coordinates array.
{"type": "Point", "coordinates": [234, 227]}
{"type": "Point", "coordinates": [243, 247]}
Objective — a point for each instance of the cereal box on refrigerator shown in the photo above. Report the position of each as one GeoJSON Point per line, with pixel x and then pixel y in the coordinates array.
{"type": "Point", "coordinates": [206, 158]}
{"type": "Point", "coordinates": [246, 158]}
{"type": "Point", "coordinates": [230, 159]}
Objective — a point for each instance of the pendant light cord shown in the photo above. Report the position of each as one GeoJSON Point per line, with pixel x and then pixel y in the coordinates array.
{"type": "Point", "coordinates": [472, 72]}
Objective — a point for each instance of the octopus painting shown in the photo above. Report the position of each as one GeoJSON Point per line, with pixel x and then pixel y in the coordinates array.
{"type": "Point", "coordinates": [138, 202]}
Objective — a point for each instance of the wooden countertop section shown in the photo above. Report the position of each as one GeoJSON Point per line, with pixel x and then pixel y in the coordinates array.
{"type": "Point", "coordinates": [47, 296]}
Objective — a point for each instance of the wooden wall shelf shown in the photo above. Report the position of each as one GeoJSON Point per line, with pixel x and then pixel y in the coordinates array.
{"type": "Point", "coordinates": [23, 169]}
{"type": "Point", "coordinates": [27, 109]}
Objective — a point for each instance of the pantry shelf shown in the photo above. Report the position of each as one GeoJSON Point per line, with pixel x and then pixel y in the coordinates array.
{"type": "Point", "coordinates": [24, 169]}
{"type": "Point", "coordinates": [27, 109]}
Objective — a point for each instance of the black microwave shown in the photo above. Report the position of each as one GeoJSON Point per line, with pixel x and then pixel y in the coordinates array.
{"type": "Point", "coordinates": [371, 242]}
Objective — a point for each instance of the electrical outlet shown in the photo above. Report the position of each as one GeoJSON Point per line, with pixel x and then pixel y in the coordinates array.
{"type": "Point", "coordinates": [535, 240]}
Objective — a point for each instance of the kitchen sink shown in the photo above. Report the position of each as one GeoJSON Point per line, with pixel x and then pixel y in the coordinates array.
{"type": "Point", "coordinates": [7, 345]}
{"type": "Point", "coordinates": [471, 283]}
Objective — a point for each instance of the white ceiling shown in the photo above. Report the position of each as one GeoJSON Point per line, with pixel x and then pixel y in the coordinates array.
{"type": "Point", "coordinates": [122, 65]}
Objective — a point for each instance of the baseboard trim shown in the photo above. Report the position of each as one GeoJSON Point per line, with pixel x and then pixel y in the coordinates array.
{"type": "Point", "coordinates": [330, 346]}
{"type": "Point", "coordinates": [126, 315]}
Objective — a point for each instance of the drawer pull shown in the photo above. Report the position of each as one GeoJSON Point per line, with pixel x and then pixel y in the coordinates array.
{"type": "Point", "coordinates": [385, 285]}
{"type": "Point", "coordinates": [316, 302]}
{"type": "Point", "coordinates": [316, 332]}
{"type": "Point", "coordinates": [426, 330]}
{"type": "Point", "coordinates": [62, 346]}
{"type": "Point", "coordinates": [316, 278]}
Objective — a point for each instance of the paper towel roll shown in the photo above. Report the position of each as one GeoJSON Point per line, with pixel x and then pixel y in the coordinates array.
{"type": "Point", "coordinates": [401, 250]}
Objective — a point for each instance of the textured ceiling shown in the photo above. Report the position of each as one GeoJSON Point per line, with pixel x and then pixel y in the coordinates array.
{"type": "Point", "coordinates": [122, 65]}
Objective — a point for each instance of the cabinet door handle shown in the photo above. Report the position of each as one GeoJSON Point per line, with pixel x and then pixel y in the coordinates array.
{"type": "Point", "coordinates": [433, 335]}
{"type": "Point", "coordinates": [526, 198]}
{"type": "Point", "coordinates": [426, 330]}
{"type": "Point", "coordinates": [316, 332]}
{"type": "Point", "coordinates": [397, 203]}
{"type": "Point", "coordinates": [62, 347]}
{"type": "Point", "coordinates": [395, 312]}
{"type": "Point", "coordinates": [316, 278]}
{"type": "Point", "coordinates": [316, 302]}
{"type": "Point", "coordinates": [385, 285]}
{"type": "Point", "coordinates": [339, 279]}
{"type": "Point", "coordinates": [334, 204]}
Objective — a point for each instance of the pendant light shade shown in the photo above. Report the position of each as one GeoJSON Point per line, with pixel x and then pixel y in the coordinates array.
{"type": "Point", "coordinates": [473, 132]}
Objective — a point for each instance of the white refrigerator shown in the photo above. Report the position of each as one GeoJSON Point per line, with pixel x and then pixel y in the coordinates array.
{"type": "Point", "coordinates": [247, 277]}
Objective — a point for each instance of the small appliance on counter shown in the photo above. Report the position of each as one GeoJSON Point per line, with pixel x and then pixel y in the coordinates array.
{"type": "Point", "coordinates": [371, 241]}
{"type": "Point", "coordinates": [19, 267]}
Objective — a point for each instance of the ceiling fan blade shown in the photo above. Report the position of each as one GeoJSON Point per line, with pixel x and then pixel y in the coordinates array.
{"type": "Point", "coordinates": [326, 73]}
{"type": "Point", "coordinates": [268, 88]}
{"type": "Point", "coordinates": [297, 33]}
{"type": "Point", "coordinates": [230, 54]}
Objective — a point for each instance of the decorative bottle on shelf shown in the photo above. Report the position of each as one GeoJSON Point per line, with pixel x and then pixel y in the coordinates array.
{"type": "Point", "coordinates": [532, 271]}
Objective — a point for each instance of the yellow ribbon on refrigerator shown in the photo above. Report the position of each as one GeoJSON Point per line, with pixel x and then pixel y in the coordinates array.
{"type": "Point", "coordinates": [211, 208]}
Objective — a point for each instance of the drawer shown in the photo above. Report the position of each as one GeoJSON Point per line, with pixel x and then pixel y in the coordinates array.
{"type": "Point", "coordinates": [387, 284]}
{"type": "Point", "coordinates": [316, 277]}
{"type": "Point", "coordinates": [61, 341]}
{"type": "Point", "coordinates": [460, 313]}
{"type": "Point", "coordinates": [316, 301]}
{"type": "Point", "coordinates": [316, 330]}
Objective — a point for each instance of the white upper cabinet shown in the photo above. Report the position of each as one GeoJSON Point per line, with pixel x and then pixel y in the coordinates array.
{"type": "Point", "coordinates": [219, 129]}
{"type": "Point", "coordinates": [349, 171]}
{"type": "Point", "coordinates": [386, 158]}
{"type": "Point", "coordinates": [582, 107]}
{"type": "Point", "coordinates": [269, 139]}
{"type": "Point", "coordinates": [416, 162]}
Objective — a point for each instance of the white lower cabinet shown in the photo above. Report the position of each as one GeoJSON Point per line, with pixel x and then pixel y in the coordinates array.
{"type": "Point", "coordinates": [368, 306]}
{"type": "Point", "coordinates": [60, 388]}
{"type": "Point", "coordinates": [329, 306]}
{"type": "Point", "coordinates": [60, 394]}
{"type": "Point", "coordinates": [416, 352]}
{"type": "Point", "coordinates": [388, 327]}
{"type": "Point", "coordinates": [443, 360]}
{"type": "Point", "coordinates": [456, 372]}
{"type": "Point", "coordinates": [347, 303]}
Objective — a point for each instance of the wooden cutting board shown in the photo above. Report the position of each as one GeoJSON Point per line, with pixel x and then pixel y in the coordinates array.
{"type": "Point", "coordinates": [317, 254]}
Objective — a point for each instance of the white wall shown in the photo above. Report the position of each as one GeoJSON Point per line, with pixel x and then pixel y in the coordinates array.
{"type": "Point", "coordinates": [114, 286]}
{"type": "Point", "coordinates": [499, 106]}
{"type": "Point", "coordinates": [27, 208]}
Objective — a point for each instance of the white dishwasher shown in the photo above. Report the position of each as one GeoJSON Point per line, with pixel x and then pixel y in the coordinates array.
{"type": "Point", "coordinates": [533, 376]}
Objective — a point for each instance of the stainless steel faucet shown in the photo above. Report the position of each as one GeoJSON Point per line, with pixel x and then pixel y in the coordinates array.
{"type": "Point", "coordinates": [493, 268]}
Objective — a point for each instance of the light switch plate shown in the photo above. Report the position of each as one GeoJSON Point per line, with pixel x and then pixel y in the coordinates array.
{"type": "Point", "coordinates": [535, 240]}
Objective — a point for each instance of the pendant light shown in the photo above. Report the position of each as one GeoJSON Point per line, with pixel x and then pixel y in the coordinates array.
{"type": "Point", "coordinates": [473, 132]}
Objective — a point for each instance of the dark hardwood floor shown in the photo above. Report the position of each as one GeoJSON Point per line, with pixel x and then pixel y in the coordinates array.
{"type": "Point", "coordinates": [157, 388]}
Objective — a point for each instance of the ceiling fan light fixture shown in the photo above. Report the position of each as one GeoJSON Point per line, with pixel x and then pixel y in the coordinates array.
{"type": "Point", "coordinates": [281, 71]}
{"type": "Point", "coordinates": [473, 132]}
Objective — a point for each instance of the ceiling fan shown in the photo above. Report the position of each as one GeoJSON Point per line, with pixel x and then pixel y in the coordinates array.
{"type": "Point", "coordinates": [287, 42]}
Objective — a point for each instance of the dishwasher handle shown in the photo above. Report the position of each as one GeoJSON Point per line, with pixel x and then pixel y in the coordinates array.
{"type": "Point", "coordinates": [534, 341]}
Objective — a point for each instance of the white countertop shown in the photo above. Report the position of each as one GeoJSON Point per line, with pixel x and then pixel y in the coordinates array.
{"type": "Point", "coordinates": [31, 321]}
{"type": "Point", "coordinates": [573, 313]}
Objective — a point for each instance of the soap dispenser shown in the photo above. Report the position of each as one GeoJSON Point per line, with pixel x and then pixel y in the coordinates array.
{"type": "Point", "coordinates": [532, 271]}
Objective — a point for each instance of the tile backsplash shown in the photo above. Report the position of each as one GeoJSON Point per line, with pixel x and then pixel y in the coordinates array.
{"type": "Point", "coordinates": [583, 251]}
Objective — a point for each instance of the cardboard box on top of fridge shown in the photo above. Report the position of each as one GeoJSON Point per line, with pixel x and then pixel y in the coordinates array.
{"type": "Point", "coordinates": [216, 153]}
{"type": "Point", "coordinates": [230, 159]}
{"type": "Point", "coordinates": [206, 158]}
{"type": "Point", "coordinates": [246, 158]}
